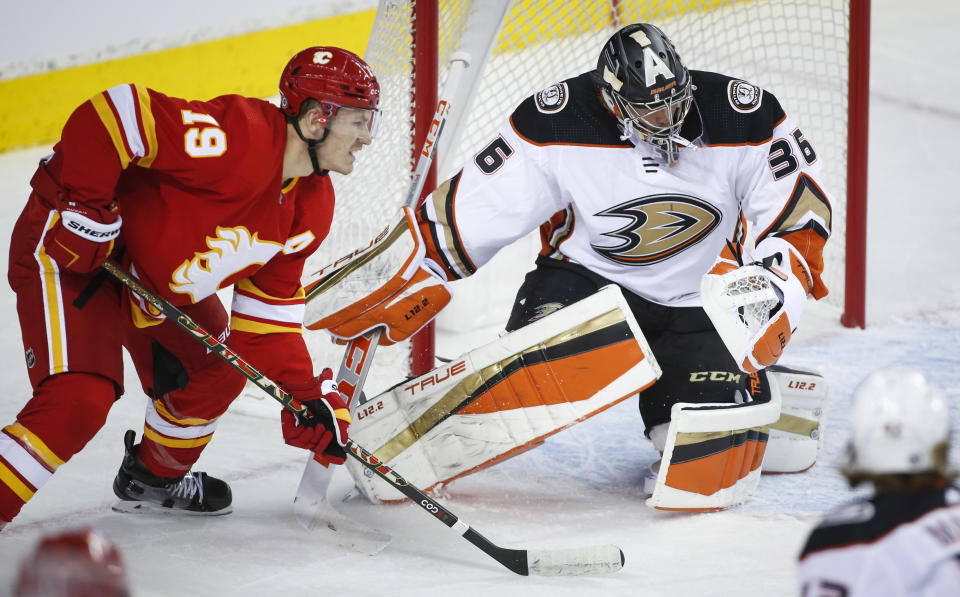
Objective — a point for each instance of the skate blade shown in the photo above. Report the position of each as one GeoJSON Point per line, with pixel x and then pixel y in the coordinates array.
{"type": "Point", "coordinates": [135, 507]}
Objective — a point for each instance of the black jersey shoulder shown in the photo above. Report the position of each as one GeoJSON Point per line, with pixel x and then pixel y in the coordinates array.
{"type": "Point", "coordinates": [866, 521]}
{"type": "Point", "coordinates": [567, 113]}
{"type": "Point", "coordinates": [733, 111]}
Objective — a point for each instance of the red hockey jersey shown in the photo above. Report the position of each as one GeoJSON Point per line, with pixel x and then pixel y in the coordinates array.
{"type": "Point", "coordinates": [199, 189]}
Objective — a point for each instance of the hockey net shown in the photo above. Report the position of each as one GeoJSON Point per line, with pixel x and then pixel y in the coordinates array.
{"type": "Point", "coordinates": [797, 49]}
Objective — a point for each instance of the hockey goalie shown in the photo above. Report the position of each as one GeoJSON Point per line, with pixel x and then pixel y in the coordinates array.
{"type": "Point", "coordinates": [685, 205]}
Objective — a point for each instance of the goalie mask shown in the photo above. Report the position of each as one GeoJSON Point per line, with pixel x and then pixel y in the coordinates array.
{"type": "Point", "coordinates": [900, 425]}
{"type": "Point", "coordinates": [335, 78]}
{"type": "Point", "coordinates": [644, 84]}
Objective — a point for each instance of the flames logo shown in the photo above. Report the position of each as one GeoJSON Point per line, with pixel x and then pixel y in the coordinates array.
{"type": "Point", "coordinates": [660, 227]}
{"type": "Point", "coordinates": [232, 250]}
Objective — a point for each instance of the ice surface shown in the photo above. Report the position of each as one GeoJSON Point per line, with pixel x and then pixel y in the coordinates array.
{"type": "Point", "coordinates": [583, 486]}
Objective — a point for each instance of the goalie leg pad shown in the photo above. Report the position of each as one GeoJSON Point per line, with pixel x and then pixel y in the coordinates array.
{"type": "Point", "coordinates": [796, 438]}
{"type": "Point", "coordinates": [504, 398]}
{"type": "Point", "coordinates": [713, 453]}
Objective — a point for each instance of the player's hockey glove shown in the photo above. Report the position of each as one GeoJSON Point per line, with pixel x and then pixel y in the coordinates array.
{"type": "Point", "coordinates": [755, 307]}
{"type": "Point", "coordinates": [326, 431]}
{"type": "Point", "coordinates": [81, 237]}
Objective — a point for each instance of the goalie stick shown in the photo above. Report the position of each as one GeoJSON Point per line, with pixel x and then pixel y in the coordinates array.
{"type": "Point", "coordinates": [310, 504]}
{"type": "Point", "coordinates": [575, 561]}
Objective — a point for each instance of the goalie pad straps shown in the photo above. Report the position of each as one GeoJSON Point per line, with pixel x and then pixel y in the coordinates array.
{"type": "Point", "coordinates": [756, 307]}
{"type": "Point", "coordinates": [389, 284]}
{"type": "Point", "coordinates": [797, 436]}
{"type": "Point", "coordinates": [504, 398]}
{"type": "Point", "coordinates": [713, 452]}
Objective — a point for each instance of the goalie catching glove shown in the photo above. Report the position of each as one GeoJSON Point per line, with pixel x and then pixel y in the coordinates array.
{"type": "Point", "coordinates": [325, 434]}
{"type": "Point", "coordinates": [755, 307]}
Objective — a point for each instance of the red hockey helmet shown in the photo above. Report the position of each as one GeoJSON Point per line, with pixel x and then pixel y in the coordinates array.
{"type": "Point", "coordinates": [332, 76]}
{"type": "Point", "coordinates": [78, 563]}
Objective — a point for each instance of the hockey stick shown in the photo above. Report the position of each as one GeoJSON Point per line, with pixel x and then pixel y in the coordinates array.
{"type": "Point", "coordinates": [310, 504]}
{"type": "Point", "coordinates": [588, 560]}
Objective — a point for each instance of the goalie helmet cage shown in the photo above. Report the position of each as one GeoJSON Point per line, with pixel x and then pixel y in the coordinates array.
{"type": "Point", "coordinates": [813, 54]}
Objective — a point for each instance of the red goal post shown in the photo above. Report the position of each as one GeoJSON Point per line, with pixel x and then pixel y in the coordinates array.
{"type": "Point", "coordinates": [813, 54]}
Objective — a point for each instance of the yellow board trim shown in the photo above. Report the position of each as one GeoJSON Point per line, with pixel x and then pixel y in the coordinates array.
{"type": "Point", "coordinates": [248, 64]}
{"type": "Point", "coordinates": [559, 20]}
{"type": "Point", "coordinates": [15, 484]}
{"type": "Point", "coordinates": [35, 445]}
{"type": "Point", "coordinates": [175, 443]}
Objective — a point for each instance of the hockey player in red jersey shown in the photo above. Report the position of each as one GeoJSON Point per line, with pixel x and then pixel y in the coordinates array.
{"type": "Point", "coordinates": [191, 197]}
{"type": "Point", "coordinates": [904, 540]}
{"type": "Point", "coordinates": [650, 176]}
{"type": "Point", "coordinates": [75, 563]}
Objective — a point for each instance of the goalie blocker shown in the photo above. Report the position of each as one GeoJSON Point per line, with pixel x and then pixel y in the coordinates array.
{"type": "Point", "coordinates": [504, 398]}
{"type": "Point", "coordinates": [388, 285]}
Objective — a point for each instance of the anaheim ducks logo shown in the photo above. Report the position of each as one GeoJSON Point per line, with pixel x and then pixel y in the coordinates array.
{"type": "Point", "coordinates": [660, 226]}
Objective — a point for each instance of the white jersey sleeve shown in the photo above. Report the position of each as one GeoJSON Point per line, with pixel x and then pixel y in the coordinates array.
{"type": "Point", "coordinates": [497, 197]}
{"type": "Point", "coordinates": [782, 195]}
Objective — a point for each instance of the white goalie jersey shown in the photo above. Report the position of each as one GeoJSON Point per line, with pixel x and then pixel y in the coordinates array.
{"type": "Point", "coordinates": [559, 163]}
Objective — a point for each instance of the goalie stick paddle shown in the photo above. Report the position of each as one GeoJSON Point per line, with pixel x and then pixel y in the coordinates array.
{"type": "Point", "coordinates": [310, 505]}
{"type": "Point", "coordinates": [586, 560]}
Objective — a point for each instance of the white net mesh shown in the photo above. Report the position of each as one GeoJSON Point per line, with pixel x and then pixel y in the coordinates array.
{"type": "Point", "coordinates": [796, 49]}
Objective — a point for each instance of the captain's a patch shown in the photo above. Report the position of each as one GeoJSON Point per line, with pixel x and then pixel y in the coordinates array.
{"type": "Point", "coordinates": [744, 97]}
{"type": "Point", "coordinates": [553, 98]}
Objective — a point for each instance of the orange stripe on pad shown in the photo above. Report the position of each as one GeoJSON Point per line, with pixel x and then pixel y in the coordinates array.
{"type": "Point", "coordinates": [583, 376]}
{"type": "Point", "coordinates": [719, 470]}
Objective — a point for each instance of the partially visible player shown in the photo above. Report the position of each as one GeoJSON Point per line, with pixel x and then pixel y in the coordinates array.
{"type": "Point", "coordinates": [191, 197]}
{"type": "Point", "coordinates": [905, 539]}
{"type": "Point", "coordinates": [75, 563]}
{"type": "Point", "coordinates": [647, 175]}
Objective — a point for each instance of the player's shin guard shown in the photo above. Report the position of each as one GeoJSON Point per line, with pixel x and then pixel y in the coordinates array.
{"type": "Point", "coordinates": [796, 437]}
{"type": "Point", "coordinates": [712, 454]}
{"type": "Point", "coordinates": [504, 398]}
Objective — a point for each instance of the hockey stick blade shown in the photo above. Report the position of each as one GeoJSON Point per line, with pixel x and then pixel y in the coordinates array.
{"type": "Point", "coordinates": [315, 513]}
{"type": "Point", "coordinates": [310, 503]}
{"type": "Point", "coordinates": [542, 562]}
{"type": "Point", "coordinates": [344, 531]}
{"type": "Point", "coordinates": [600, 559]}
{"type": "Point", "coordinates": [577, 561]}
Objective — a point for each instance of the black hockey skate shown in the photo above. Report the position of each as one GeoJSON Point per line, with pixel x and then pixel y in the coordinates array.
{"type": "Point", "coordinates": [141, 491]}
